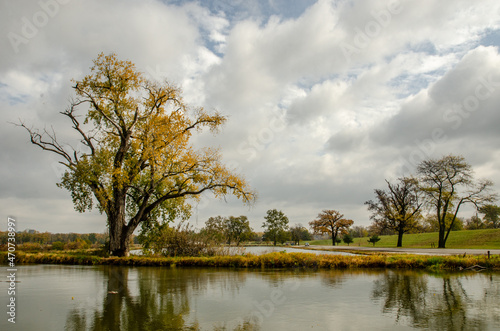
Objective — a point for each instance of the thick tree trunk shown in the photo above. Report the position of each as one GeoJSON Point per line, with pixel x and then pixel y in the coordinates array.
{"type": "Point", "coordinates": [334, 239]}
{"type": "Point", "coordinates": [119, 241]}
{"type": "Point", "coordinates": [442, 241]}
{"type": "Point", "coordinates": [400, 239]}
{"type": "Point", "coordinates": [119, 238]}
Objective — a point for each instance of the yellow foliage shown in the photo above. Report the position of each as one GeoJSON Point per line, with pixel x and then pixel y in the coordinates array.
{"type": "Point", "coordinates": [139, 145]}
{"type": "Point", "coordinates": [137, 162]}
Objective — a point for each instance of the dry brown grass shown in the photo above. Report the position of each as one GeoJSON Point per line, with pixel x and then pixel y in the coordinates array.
{"type": "Point", "coordinates": [269, 260]}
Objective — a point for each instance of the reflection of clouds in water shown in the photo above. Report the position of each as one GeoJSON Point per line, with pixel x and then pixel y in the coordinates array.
{"type": "Point", "coordinates": [157, 298]}
{"type": "Point", "coordinates": [444, 302]}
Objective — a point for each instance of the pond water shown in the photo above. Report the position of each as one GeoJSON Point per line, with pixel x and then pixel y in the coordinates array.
{"type": "Point", "coordinates": [54, 297]}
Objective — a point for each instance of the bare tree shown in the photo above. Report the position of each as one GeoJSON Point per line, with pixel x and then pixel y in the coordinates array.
{"type": "Point", "coordinates": [398, 208]}
{"type": "Point", "coordinates": [448, 184]}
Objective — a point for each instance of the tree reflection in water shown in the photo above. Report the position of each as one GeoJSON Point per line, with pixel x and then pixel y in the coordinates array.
{"type": "Point", "coordinates": [436, 303]}
{"type": "Point", "coordinates": [163, 298]}
{"type": "Point", "coordinates": [404, 294]}
{"type": "Point", "coordinates": [162, 301]}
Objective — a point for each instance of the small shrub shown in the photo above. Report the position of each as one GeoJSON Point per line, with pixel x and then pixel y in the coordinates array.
{"type": "Point", "coordinates": [374, 239]}
{"type": "Point", "coordinates": [30, 247]}
{"type": "Point", "coordinates": [180, 241]}
{"type": "Point", "coordinates": [348, 239]}
{"type": "Point", "coordinates": [71, 245]}
{"type": "Point", "coordinates": [78, 244]}
{"type": "Point", "coordinates": [57, 246]}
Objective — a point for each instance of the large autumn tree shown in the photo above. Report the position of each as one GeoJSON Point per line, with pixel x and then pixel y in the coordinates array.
{"type": "Point", "coordinates": [448, 183]}
{"type": "Point", "coordinates": [398, 207]}
{"type": "Point", "coordinates": [138, 163]}
{"type": "Point", "coordinates": [331, 222]}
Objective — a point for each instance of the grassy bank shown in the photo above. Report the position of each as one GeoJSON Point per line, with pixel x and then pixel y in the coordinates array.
{"type": "Point", "coordinates": [270, 260]}
{"type": "Point", "coordinates": [471, 239]}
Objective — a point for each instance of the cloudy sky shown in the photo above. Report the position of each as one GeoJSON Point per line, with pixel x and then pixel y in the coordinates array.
{"type": "Point", "coordinates": [325, 99]}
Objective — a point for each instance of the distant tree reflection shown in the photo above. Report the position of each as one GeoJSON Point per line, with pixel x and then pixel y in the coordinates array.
{"type": "Point", "coordinates": [435, 303]}
{"type": "Point", "coordinates": [158, 299]}
{"type": "Point", "coordinates": [404, 294]}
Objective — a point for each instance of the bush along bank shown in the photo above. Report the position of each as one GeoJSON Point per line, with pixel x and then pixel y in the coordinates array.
{"type": "Point", "coordinates": [270, 260]}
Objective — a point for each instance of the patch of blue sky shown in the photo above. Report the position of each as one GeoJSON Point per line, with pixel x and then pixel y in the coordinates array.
{"type": "Point", "coordinates": [354, 72]}
{"type": "Point", "coordinates": [215, 47]}
{"type": "Point", "coordinates": [18, 99]}
{"type": "Point", "coordinates": [425, 47]}
{"type": "Point", "coordinates": [406, 84]}
{"type": "Point", "coordinates": [307, 83]}
{"type": "Point", "coordinates": [491, 38]}
{"type": "Point", "coordinates": [460, 49]}
{"type": "Point", "coordinates": [46, 78]}
{"type": "Point", "coordinates": [11, 99]}
{"type": "Point", "coordinates": [260, 9]}
{"type": "Point", "coordinates": [237, 10]}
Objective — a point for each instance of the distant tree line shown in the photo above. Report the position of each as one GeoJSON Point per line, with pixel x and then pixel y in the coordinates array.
{"type": "Point", "coordinates": [32, 240]}
{"type": "Point", "coordinates": [44, 238]}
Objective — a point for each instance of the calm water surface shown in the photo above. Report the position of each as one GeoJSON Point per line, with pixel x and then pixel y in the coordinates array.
{"type": "Point", "coordinates": [53, 297]}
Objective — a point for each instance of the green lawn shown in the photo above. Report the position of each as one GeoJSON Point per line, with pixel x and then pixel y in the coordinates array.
{"type": "Point", "coordinates": [483, 239]}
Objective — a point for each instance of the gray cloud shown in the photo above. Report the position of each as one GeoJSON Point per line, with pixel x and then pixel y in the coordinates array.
{"type": "Point", "coordinates": [325, 99]}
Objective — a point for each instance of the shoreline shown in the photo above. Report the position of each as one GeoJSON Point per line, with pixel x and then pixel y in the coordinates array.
{"type": "Point", "coordinates": [403, 250]}
{"type": "Point", "coordinates": [275, 260]}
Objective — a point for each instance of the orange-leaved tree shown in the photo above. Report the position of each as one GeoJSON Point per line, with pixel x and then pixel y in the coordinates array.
{"type": "Point", "coordinates": [138, 163]}
{"type": "Point", "coordinates": [331, 222]}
